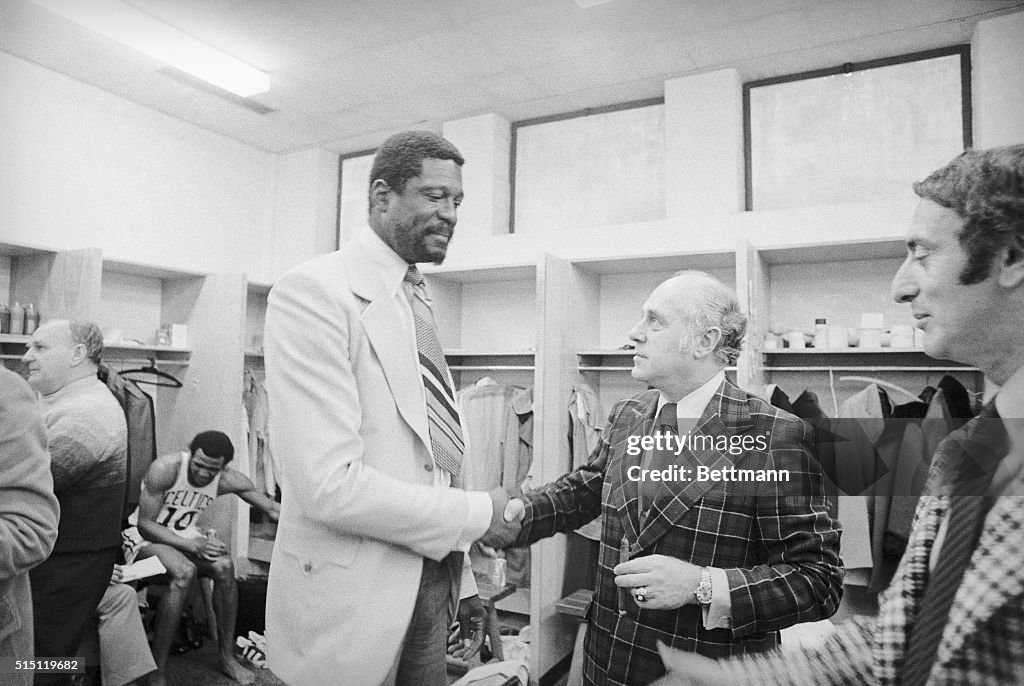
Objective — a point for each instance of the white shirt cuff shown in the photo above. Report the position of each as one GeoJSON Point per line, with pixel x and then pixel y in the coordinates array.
{"type": "Point", "coordinates": [478, 519]}
{"type": "Point", "coordinates": [718, 614]}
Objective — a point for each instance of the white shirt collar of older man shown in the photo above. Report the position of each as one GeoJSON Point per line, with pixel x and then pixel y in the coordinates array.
{"type": "Point", "coordinates": [692, 405]}
{"type": "Point", "coordinates": [392, 266]}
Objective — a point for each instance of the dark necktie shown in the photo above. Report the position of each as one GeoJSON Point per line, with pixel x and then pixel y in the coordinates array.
{"type": "Point", "coordinates": [665, 424]}
{"type": "Point", "coordinates": [445, 431]}
{"type": "Point", "coordinates": [982, 450]}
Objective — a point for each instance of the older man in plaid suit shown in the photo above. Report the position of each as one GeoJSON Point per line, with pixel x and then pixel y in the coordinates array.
{"type": "Point", "coordinates": [693, 554]}
{"type": "Point", "coordinates": [954, 613]}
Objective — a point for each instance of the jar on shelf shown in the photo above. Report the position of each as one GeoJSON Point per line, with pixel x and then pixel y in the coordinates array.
{"type": "Point", "coordinates": [17, 319]}
{"type": "Point", "coordinates": [31, 319]}
{"type": "Point", "coordinates": [5, 318]}
{"type": "Point", "coordinates": [870, 331]}
{"type": "Point", "coordinates": [838, 337]}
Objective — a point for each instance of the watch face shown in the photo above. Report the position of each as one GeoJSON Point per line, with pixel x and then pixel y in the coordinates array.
{"type": "Point", "coordinates": [703, 594]}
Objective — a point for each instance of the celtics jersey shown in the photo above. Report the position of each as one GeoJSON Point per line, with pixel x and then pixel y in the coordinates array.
{"type": "Point", "coordinates": [183, 502]}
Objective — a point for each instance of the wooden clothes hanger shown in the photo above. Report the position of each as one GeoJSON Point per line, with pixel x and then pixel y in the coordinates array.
{"type": "Point", "coordinates": [884, 384]}
{"type": "Point", "coordinates": [161, 378]}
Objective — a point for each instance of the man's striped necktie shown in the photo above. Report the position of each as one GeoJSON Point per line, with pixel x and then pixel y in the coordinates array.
{"type": "Point", "coordinates": [445, 431]}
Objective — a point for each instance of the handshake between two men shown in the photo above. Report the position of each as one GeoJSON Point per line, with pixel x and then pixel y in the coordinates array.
{"type": "Point", "coordinates": [506, 520]}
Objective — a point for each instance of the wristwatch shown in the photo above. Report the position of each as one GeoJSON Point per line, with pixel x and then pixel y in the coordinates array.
{"type": "Point", "coordinates": [703, 592]}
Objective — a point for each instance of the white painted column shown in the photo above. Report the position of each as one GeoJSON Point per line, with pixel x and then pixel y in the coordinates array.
{"type": "Point", "coordinates": [485, 141]}
{"type": "Point", "coordinates": [704, 144]}
{"type": "Point", "coordinates": [997, 61]}
{"type": "Point", "coordinates": [305, 210]}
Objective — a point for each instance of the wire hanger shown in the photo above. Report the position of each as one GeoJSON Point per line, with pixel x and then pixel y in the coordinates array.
{"type": "Point", "coordinates": [162, 378]}
{"type": "Point", "coordinates": [832, 389]}
{"type": "Point", "coordinates": [884, 384]}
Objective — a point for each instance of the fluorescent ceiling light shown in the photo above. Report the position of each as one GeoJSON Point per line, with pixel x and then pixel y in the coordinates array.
{"type": "Point", "coordinates": [155, 38]}
{"type": "Point", "coordinates": [587, 4]}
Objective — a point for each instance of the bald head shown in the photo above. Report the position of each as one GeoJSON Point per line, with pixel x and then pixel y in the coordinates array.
{"type": "Point", "coordinates": [62, 351]}
{"type": "Point", "coordinates": [690, 329]}
{"type": "Point", "coordinates": [709, 303]}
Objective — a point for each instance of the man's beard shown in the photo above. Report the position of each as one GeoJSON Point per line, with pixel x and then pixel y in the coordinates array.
{"type": "Point", "coordinates": [415, 241]}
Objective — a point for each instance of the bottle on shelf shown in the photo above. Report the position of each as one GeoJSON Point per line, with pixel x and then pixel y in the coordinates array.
{"type": "Point", "coordinates": [820, 333]}
{"type": "Point", "coordinates": [31, 319]}
{"type": "Point", "coordinates": [5, 318]}
{"type": "Point", "coordinates": [17, 319]}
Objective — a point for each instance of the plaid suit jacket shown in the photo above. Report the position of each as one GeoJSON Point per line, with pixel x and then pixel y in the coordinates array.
{"type": "Point", "coordinates": [776, 541]}
{"type": "Point", "coordinates": [983, 641]}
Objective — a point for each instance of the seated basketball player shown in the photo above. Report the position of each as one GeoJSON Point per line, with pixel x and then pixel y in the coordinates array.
{"type": "Point", "coordinates": [176, 489]}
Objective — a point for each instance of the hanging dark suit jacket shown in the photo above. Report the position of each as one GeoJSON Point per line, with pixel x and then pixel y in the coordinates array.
{"type": "Point", "coordinates": [776, 541]}
{"type": "Point", "coordinates": [138, 414]}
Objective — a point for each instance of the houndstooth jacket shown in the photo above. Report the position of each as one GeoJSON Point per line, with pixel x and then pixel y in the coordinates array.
{"type": "Point", "coordinates": [776, 541]}
{"type": "Point", "coordinates": [983, 642]}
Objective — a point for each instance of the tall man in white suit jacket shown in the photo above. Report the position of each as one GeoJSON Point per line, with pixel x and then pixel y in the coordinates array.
{"type": "Point", "coordinates": [367, 565]}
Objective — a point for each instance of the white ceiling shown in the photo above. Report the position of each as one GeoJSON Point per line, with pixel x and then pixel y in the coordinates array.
{"type": "Point", "coordinates": [345, 73]}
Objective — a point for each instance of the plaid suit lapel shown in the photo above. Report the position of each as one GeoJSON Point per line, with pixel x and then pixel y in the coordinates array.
{"type": "Point", "coordinates": [726, 415]}
{"type": "Point", "coordinates": [994, 575]}
{"type": "Point", "coordinates": [637, 419]}
{"type": "Point", "coordinates": [902, 601]}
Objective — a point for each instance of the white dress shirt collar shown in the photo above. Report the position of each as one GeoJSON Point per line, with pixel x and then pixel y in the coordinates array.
{"type": "Point", "coordinates": [1010, 398]}
{"type": "Point", "coordinates": [1009, 476]}
{"type": "Point", "coordinates": [692, 405]}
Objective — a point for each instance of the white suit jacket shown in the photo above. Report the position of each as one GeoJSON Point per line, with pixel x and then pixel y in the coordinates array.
{"type": "Point", "coordinates": [359, 508]}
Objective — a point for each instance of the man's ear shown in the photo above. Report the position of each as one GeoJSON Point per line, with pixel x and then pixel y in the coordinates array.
{"type": "Point", "coordinates": [707, 343]}
{"type": "Point", "coordinates": [78, 354]}
{"type": "Point", "coordinates": [1010, 263]}
{"type": "Point", "coordinates": [380, 194]}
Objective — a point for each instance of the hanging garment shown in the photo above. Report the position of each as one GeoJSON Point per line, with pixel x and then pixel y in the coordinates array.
{"type": "Point", "coordinates": [497, 421]}
{"type": "Point", "coordinates": [522, 406]}
{"type": "Point", "coordinates": [261, 462]}
{"type": "Point", "coordinates": [777, 397]}
{"type": "Point", "coordinates": [492, 428]}
{"type": "Point", "coordinates": [849, 460]}
{"type": "Point", "coordinates": [141, 421]}
{"type": "Point", "coordinates": [517, 560]}
{"type": "Point", "coordinates": [929, 424]}
{"type": "Point", "coordinates": [905, 437]}
{"type": "Point", "coordinates": [586, 423]}
{"type": "Point", "coordinates": [806, 406]}
{"type": "Point", "coordinates": [848, 457]}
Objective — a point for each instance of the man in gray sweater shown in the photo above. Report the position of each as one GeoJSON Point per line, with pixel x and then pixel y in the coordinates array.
{"type": "Point", "coordinates": [88, 448]}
